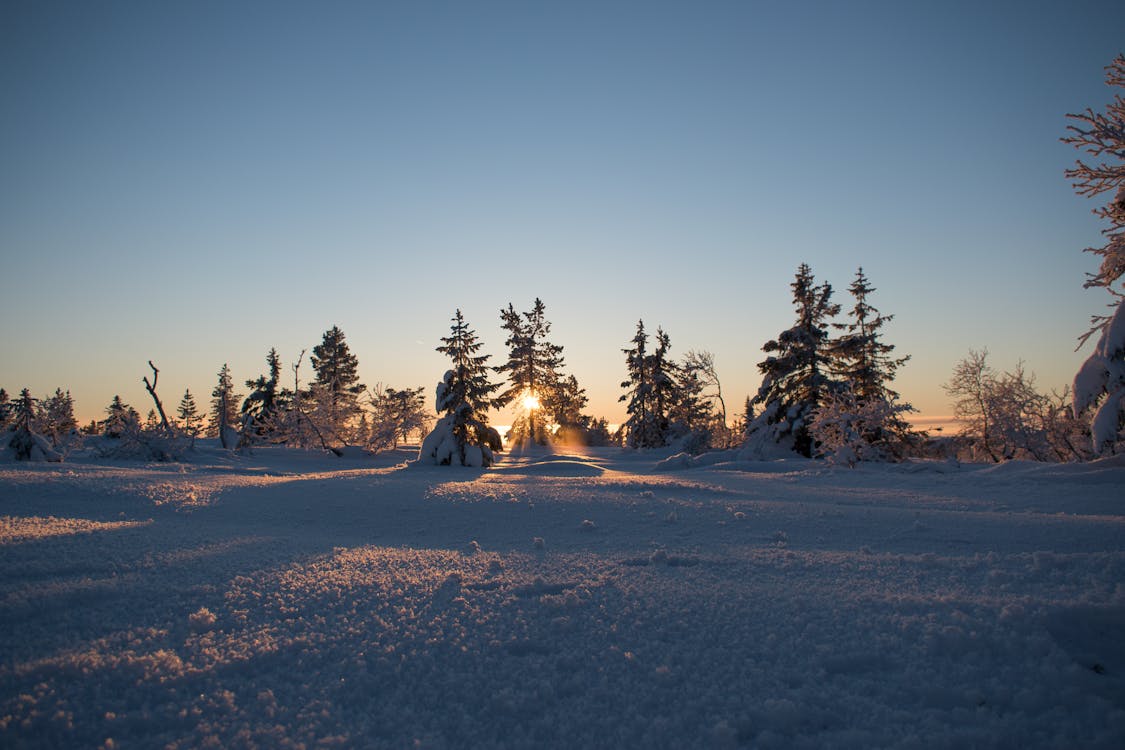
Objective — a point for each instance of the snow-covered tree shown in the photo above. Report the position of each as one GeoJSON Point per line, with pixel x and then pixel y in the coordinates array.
{"type": "Point", "coordinates": [224, 408]}
{"type": "Point", "coordinates": [119, 418]}
{"type": "Point", "coordinates": [643, 427]}
{"type": "Point", "coordinates": [795, 377]}
{"type": "Point", "coordinates": [1102, 136]}
{"type": "Point", "coordinates": [6, 409]}
{"type": "Point", "coordinates": [865, 367]}
{"type": "Point", "coordinates": [692, 422]}
{"type": "Point", "coordinates": [1099, 387]}
{"type": "Point", "coordinates": [24, 441]}
{"type": "Point", "coordinates": [847, 429]}
{"type": "Point", "coordinates": [702, 364]}
{"type": "Point", "coordinates": [188, 414]}
{"type": "Point", "coordinates": [1003, 416]}
{"type": "Point", "coordinates": [653, 392]}
{"type": "Point", "coordinates": [567, 402]}
{"type": "Point", "coordinates": [55, 420]}
{"type": "Point", "coordinates": [532, 370]}
{"type": "Point", "coordinates": [1100, 381]}
{"type": "Point", "coordinates": [464, 397]}
{"type": "Point", "coordinates": [395, 414]}
{"type": "Point", "coordinates": [259, 410]}
{"type": "Point", "coordinates": [335, 389]}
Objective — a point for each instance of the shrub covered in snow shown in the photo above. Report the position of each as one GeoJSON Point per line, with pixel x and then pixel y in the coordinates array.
{"type": "Point", "coordinates": [462, 436]}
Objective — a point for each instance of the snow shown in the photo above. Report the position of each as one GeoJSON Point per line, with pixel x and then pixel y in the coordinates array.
{"type": "Point", "coordinates": [568, 599]}
{"type": "Point", "coordinates": [1103, 373]}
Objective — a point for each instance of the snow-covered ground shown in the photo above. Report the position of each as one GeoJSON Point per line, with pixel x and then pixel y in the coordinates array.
{"type": "Point", "coordinates": [288, 599]}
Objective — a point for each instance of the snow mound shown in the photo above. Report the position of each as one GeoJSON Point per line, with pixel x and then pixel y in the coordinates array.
{"type": "Point", "coordinates": [560, 467]}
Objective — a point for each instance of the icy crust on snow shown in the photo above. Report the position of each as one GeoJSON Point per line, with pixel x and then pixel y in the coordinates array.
{"type": "Point", "coordinates": [538, 604]}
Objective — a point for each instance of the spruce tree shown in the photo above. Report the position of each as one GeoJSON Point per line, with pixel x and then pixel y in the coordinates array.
{"type": "Point", "coordinates": [6, 409]}
{"type": "Point", "coordinates": [532, 370]}
{"type": "Point", "coordinates": [262, 405]}
{"type": "Point", "coordinates": [639, 429]}
{"type": "Point", "coordinates": [692, 417]}
{"type": "Point", "coordinates": [335, 388]}
{"type": "Point", "coordinates": [795, 377]}
{"type": "Point", "coordinates": [224, 404]}
{"type": "Point", "coordinates": [566, 403]}
{"type": "Point", "coordinates": [188, 414]}
{"type": "Point", "coordinates": [119, 418]}
{"type": "Point", "coordinates": [25, 410]}
{"type": "Point", "coordinates": [464, 397]}
{"type": "Point", "coordinates": [651, 390]}
{"type": "Point", "coordinates": [55, 417]}
{"type": "Point", "coordinates": [864, 365]}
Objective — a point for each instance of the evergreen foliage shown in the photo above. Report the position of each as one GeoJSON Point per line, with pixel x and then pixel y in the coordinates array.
{"type": "Point", "coordinates": [7, 409]}
{"type": "Point", "coordinates": [188, 413]}
{"type": "Point", "coordinates": [260, 409]}
{"type": "Point", "coordinates": [25, 442]}
{"type": "Point", "coordinates": [120, 417]}
{"type": "Point", "coordinates": [224, 404]}
{"type": "Point", "coordinates": [335, 389]}
{"type": "Point", "coordinates": [651, 390]}
{"type": "Point", "coordinates": [464, 396]}
{"type": "Point", "coordinates": [532, 370]}
{"type": "Point", "coordinates": [796, 374]}
{"type": "Point", "coordinates": [55, 420]}
{"type": "Point", "coordinates": [864, 365]}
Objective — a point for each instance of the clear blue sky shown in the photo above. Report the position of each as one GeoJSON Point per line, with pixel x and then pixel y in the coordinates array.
{"type": "Point", "coordinates": [197, 182]}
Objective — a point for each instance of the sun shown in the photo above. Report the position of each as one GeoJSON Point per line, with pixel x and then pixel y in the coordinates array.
{"type": "Point", "coordinates": [531, 402]}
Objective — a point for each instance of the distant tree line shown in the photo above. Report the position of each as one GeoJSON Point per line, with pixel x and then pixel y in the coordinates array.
{"type": "Point", "coordinates": [821, 395]}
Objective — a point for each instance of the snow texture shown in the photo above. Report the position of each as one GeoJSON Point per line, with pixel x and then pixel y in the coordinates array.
{"type": "Point", "coordinates": [1103, 374]}
{"type": "Point", "coordinates": [289, 599]}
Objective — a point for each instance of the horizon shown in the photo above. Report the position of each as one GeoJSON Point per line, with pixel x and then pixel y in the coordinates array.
{"type": "Point", "coordinates": [194, 186]}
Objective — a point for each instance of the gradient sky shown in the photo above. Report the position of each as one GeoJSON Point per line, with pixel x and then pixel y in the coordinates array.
{"type": "Point", "coordinates": [196, 182]}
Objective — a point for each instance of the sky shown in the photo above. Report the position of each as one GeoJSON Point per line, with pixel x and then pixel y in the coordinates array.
{"type": "Point", "coordinates": [195, 183]}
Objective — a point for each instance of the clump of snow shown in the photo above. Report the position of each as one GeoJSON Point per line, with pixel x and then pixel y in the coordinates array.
{"type": "Point", "coordinates": [202, 620]}
{"type": "Point", "coordinates": [1103, 374]}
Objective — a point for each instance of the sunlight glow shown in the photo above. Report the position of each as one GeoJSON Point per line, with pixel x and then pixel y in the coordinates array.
{"type": "Point", "coordinates": [530, 402]}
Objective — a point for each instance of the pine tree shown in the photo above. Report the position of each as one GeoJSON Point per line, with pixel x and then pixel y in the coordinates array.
{"type": "Point", "coordinates": [464, 396]}
{"type": "Point", "coordinates": [532, 369]}
{"type": "Point", "coordinates": [6, 409]}
{"type": "Point", "coordinates": [55, 418]}
{"type": "Point", "coordinates": [640, 429]}
{"type": "Point", "coordinates": [120, 417]}
{"type": "Point", "coordinates": [224, 404]}
{"type": "Point", "coordinates": [566, 402]}
{"type": "Point", "coordinates": [26, 443]}
{"type": "Point", "coordinates": [652, 390]}
{"type": "Point", "coordinates": [664, 375]}
{"type": "Point", "coordinates": [262, 405]}
{"type": "Point", "coordinates": [335, 388]}
{"type": "Point", "coordinates": [795, 377]}
{"type": "Point", "coordinates": [188, 414]}
{"type": "Point", "coordinates": [692, 417]}
{"type": "Point", "coordinates": [25, 410]}
{"type": "Point", "coordinates": [864, 365]}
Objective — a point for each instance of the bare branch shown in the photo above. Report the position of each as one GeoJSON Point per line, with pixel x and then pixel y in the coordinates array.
{"type": "Point", "coordinates": [151, 387]}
